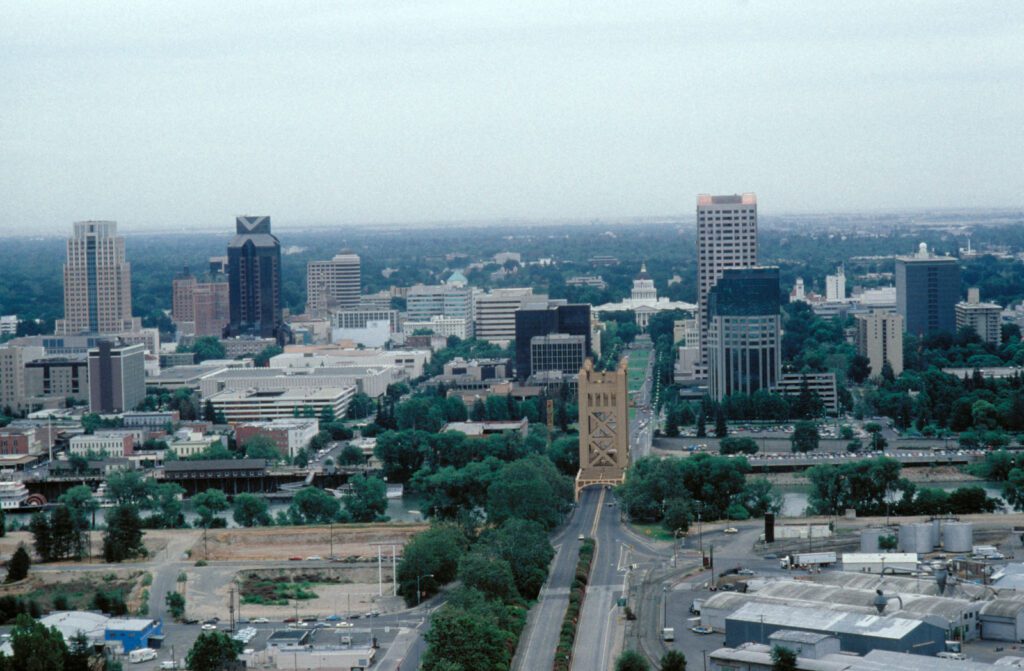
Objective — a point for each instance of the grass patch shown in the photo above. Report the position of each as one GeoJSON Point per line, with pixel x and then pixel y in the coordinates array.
{"type": "Point", "coordinates": [654, 531]}
{"type": "Point", "coordinates": [257, 588]}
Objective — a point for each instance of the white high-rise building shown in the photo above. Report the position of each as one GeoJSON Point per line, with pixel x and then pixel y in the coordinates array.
{"type": "Point", "coordinates": [97, 282]}
{"type": "Point", "coordinates": [333, 284]}
{"type": "Point", "coordinates": [835, 286]}
{"type": "Point", "coordinates": [726, 238]}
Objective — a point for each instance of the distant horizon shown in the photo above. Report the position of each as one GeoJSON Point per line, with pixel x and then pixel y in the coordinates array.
{"type": "Point", "coordinates": [666, 219]}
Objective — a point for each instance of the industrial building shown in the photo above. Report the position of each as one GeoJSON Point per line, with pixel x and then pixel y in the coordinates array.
{"type": "Point", "coordinates": [857, 632]}
{"type": "Point", "coordinates": [958, 618]}
{"type": "Point", "coordinates": [880, 562]}
{"type": "Point", "coordinates": [1002, 619]}
{"type": "Point", "coordinates": [757, 657]}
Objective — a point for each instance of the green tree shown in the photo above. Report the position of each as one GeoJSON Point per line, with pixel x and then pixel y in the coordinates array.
{"type": "Point", "coordinates": [526, 548]}
{"type": "Point", "coordinates": [489, 574]}
{"type": "Point", "coordinates": [175, 602]}
{"type": "Point", "coordinates": [732, 445]}
{"type": "Point", "coordinates": [351, 456]}
{"type": "Point", "coordinates": [673, 660]}
{"type": "Point", "coordinates": [470, 639]}
{"type": "Point", "coordinates": [123, 537]}
{"type": "Point", "coordinates": [783, 659]}
{"type": "Point", "coordinates": [251, 510]}
{"type": "Point", "coordinates": [859, 369]}
{"type": "Point", "coordinates": [262, 359]}
{"type": "Point", "coordinates": [166, 506]}
{"type": "Point", "coordinates": [311, 505]}
{"type": "Point", "coordinates": [207, 504]}
{"type": "Point", "coordinates": [360, 407]}
{"type": "Point", "coordinates": [17, 567]}
{"type": "Point", "coordinates": [35, 647]}
{"type": "Point", "coordinates": [433, 557]}
{"type": "Point", "coordinates": [80, 500]}
{"type": "Point", "coordinates": [630, 660]}
{"type": "Point", "coordinates": [39, 527]}
{"type": "Point", "coordinates": [805, 437]}
{"type": "Point", "coordinates": [129, 487]}
{"type": "Point", "coordinates": [211, 652]}
{"type": "Point", "coordinates": [721, 428]}
{"type": "Point", "coordinates": [79, 653]}
{"type": "Point", "coordinates": [206, 347]}
{"type": "Point", "coordinates": [367, 499]}
{"type": "Point", "coordinates": [262, 447]}
{"type": "Point", "coordinates": [530, 489]}
{"type": "Point", "coordinates": [702, 420]}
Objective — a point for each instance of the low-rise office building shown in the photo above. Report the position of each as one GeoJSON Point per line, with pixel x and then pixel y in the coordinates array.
{"type": "Point", "coordinates": [254, 405]}
{"type": "Point", "coordinates": [289, 435]}
{"type": "Point", "coordinates": [110, 443]}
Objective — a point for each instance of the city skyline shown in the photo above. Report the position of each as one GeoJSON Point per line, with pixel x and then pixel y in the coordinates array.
{"type": "Point", "coordinates": [413, 114]}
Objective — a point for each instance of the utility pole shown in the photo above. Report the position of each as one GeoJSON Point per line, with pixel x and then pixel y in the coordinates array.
{"type": "Point", "coordinates": [331, 556]}
{"type": "Point", "coordinates": [231, 608]}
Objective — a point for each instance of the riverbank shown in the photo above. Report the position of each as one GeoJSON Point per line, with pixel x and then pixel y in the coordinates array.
{"type": "Point", "coordinates": [917, 475]}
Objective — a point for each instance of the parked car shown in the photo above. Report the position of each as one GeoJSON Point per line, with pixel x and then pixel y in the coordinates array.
{"type": "Point", "coordinates": [701, 629]}
{"type": "Point", "coordinates": [730, 530]}
{"type": "Point", "coordinates": [260, 620]}
{"type": "Point", "coordinates": [209, 627]}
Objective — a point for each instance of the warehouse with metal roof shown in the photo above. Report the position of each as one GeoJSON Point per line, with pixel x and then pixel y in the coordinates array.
{"type": "Point", "coordinates": [757, 657]}
{"type": "Point", "coordinates": [901, 585]}
{"type": "Point", "coordinates": [858, 633]}
{"type": "Point", "coordinates": [1002, 619]}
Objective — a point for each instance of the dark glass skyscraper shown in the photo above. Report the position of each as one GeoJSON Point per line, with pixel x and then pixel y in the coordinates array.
{"type": "Point", "coordinates": [927, 291]}
{"type": "Point", "coordinates": [547, 317]}
{"type": "Point", "coordinates": [254, 279]}
{"type": "Point", "coordinates": [744, 342]}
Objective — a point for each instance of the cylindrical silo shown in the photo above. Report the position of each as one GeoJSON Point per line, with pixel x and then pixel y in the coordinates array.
{"type": "Point", "coordinates": [869, 539]}
{"type": "Point", "coordinates": [958, 537]}
{"type": "Point", "coordinates": [936, 531]}
{"type": "Point", "coordinates": [922, 538]}
{"type": "Point", "coordinates": [907, 539]}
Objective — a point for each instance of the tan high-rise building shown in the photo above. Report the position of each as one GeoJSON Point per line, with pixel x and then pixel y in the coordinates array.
{"type": "Point", "coordinates": [200, 308]}
{"type": "Point", "coordinates": [182, 300]}
{"type": "Point", "coordinates": [496, 313]}
{"type": "Point", "coordinates": [604, 426]}
{"type": "Point", "coordinates": [880, 339]}
{"type": "Point", "coordinates": [97, 282]}
{"type": "Point", "coordinates": [726, 238]}
{"type": "Point", "coordinates": [13, 387]}
{"type": "Point", "coordinates": [983, 318]}
{"type": "Point", "coordinates": [334, 284]}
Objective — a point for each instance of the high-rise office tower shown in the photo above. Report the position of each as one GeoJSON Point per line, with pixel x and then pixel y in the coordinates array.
{"type": "Point", "coordinates": [117, 377]}
{"type": "Point", "coordinates": [880, 339]}
{"type": "Point", "coordinates": [97, 282]}
{"type": "Point", "coordinates": [254, 279]}
{"type": "Point", "coordinates": [927, 291]}
{"type": "Point", "coordinates": [182, 303]}
{"type": "Point", "coordinates": [744, 332]}
{"type": "Point", "coordinates": [334, 284]}
{"type": "Point", "coordinates": [726, 238]}
{"type": "Point", "coordinates": [496, 313]}
{"type": "Point", "coordinates": [541, 316]}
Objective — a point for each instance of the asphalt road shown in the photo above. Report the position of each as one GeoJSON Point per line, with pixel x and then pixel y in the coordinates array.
{"type": "Point", "coordinates": [540, 637]}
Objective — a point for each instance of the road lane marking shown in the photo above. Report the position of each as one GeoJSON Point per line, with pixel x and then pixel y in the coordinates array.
{"type": "Point", "coordinates": [597, 515]}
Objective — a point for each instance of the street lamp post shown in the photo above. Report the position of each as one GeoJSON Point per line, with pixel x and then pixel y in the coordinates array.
{"type": "Point", "coordinates": [428, 575]}
{"type": "Point", "coordinates": [664, 606]}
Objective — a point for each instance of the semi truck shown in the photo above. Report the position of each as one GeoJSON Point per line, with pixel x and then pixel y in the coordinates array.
{"type": "Point", "coordinates": [141, 655]}
{"type": "Point", "coordinates": [807, 559]}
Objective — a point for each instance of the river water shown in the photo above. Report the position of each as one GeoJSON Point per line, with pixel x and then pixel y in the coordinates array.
{"type": "Point", "coordinates": [794, 497]}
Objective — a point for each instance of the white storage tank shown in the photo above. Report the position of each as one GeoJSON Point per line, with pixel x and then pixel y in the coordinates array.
{"type": "Point", "coordinates": [907, 540]}
{"type": "Point", "coordinates": [936, 531]}
{"type": "Point", "coordinates": [922, 538]}
{"type": "Point", "coordinates": [869, 538]}
{"type": "Point", "coordinates": [958, 537]}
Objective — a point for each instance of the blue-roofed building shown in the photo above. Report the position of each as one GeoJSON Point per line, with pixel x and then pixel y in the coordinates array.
{"type": "Point", "coordinates": [134, 633]}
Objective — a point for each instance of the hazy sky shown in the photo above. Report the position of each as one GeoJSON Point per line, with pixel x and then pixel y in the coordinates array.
{"type": "Point", "coordinates": [187, 113]}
